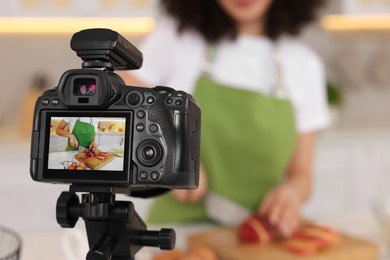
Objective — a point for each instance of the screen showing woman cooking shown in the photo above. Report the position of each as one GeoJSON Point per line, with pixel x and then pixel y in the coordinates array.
{"type": "Point", "coordinates": [87, 143]}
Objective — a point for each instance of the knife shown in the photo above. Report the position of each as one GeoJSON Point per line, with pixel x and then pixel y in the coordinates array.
{"type": "Point", "coordinates": [83, 149]}
{"type": "Point", "coordinates": [225, 211]}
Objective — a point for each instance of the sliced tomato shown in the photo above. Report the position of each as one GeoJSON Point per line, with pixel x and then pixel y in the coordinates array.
{"type": "Point", "coordinates": [102, 154]}
{"type": "Point", "coordinates": [100, 157]}
{"type": "Point", "coordinates": [321, 242]}
{"type": "Point", "coordinates": [301, 247]}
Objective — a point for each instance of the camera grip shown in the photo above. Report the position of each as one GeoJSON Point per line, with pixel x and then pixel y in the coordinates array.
{"type": "Point", "coordinates": [186, 149]}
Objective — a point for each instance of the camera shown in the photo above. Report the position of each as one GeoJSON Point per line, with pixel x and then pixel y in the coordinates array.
{"type": "Point", "coordinates": [102, 137]}
{"type": "Point", "coordinates": [95, 133]}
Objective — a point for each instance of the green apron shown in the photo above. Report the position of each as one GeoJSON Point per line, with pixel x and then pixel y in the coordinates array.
{"type": "Point", "coordinates": [84, 133]}
{"type": "Point", "coordinates": [247, 142]}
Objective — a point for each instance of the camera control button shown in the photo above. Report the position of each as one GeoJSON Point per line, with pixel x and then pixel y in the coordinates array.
{"type": "Point", "coordinates": [141, 114]}
{"type": "Point", "coordinates": [169, 101]}
{"type": "Point", "coordinates": [150, 100]}
{"type": "Point", "coordinates": [45, 102]}
{"type": "Point", "coordinates": [154, 176]}
{"type": "Point", "coordinates": [143, 175]}
{"type": "Point", "coordinates": [149, 153]}
{"type": "Point", "coordinates": [134, 98]}
{"type": "Point", "coordinates": [178, 102]}
{"type": "Point", "coordinates": [140, 127]}
{"type": "Point", "coordinates": [55, 102]}
{"type": "Point", "coordinates": [153, 128]}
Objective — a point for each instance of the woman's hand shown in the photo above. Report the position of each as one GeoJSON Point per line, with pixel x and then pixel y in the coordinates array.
{"type": "Point", "coordinates": [73, 141]}
{"type": "Point", "coordinates": [93, 146]}
{"type": "Point", "coordinates": [282, 206]}
{"type": "Point", "coordinates": [193, 196]}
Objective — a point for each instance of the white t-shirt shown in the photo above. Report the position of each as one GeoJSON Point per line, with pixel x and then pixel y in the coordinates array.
{"type": "Point", "coordinates": [176, 60]}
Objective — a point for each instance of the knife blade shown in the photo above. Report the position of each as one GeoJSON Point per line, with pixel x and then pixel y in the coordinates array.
{"type": "Point", "coordinates": [225, 211]}
{"type": "Point", "coordinates": [83, 149]}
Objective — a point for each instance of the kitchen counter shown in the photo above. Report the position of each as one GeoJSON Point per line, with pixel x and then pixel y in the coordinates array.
{"type": "Point", "coordinates": [59, 159]}
{"type": "Point", "coordinates": [51, 244]}
{"type": "Point", "coordinates": [30, 206]}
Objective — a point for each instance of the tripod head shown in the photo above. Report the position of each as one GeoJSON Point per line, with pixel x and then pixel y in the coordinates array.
{"type": "Point", "coordinates": [115, 231]}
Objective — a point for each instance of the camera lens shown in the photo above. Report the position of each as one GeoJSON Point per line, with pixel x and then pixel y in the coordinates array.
{"type": "Point", "coordinates": [84, 87]}
{"type": "Point", "coordinates": [149, 153]}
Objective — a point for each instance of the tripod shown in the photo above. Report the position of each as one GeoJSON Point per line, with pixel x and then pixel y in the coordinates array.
{"type": "Point", "coordinates": [115, 231]}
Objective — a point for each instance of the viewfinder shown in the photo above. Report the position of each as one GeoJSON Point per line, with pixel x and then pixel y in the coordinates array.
{"type": "Point", "coordinates": [84, 87]}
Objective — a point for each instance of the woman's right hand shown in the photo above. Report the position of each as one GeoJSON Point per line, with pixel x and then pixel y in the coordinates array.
{"type": "Point", "coordinates": [193, 196]}
{"type": "Point", "coordinates": [73, 141]}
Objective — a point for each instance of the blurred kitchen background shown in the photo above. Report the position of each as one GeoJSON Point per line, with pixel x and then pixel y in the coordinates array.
{"type": "Point", "coordinates": [352, 166]}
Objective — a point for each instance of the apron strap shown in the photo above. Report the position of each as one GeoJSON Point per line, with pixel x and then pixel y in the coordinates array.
{"type": "Point", "coordinates": [208, 62]}
{"type": "Point", "coordinates": [278, 91]}
{"type": "Point", "coordinates": [280, 88]}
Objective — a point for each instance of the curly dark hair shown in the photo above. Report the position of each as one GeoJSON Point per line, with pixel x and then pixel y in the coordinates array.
{"type": "Point", "coordinates": [214, 24]}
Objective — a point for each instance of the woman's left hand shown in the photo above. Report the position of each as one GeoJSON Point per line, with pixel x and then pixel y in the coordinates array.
{"type": "Point", "coordinates": [282, 206]}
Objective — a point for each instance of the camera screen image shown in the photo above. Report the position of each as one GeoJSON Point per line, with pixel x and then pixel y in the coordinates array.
{"type": "Point", "coordinates": [84, 87]}
{"type": "Point", "coordinates": [87, 143]}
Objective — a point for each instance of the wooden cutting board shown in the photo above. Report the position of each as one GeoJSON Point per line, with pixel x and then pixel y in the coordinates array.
{"type": "Point", "coordinates": [226, 245]}
{"type": "Point", "coordinates": [92, 162]}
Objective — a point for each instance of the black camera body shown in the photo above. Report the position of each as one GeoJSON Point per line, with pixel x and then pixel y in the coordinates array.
{"type": "Point", "coordinates": [149, 137]}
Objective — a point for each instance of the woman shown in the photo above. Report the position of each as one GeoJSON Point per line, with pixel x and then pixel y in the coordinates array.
{"type": "Point", "coordinates": [81, 132]}
{"type": "Point", "coordinates": [262, 95]}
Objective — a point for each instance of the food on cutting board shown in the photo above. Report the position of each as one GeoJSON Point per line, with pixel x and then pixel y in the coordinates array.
{"type": "Point", "coordinates": [77, 166]}
{"type": "Point", "coordinates": [308, 239]}
{"type": "Point", "coordinates": [98, 154]}
{"type": "Point", "coordinates": [257, 230]}
{"type": "Point", "coordinates": [72, 166]}
{"type": "Point", "coordinates": [203, 253]}
{"type": "Point", "coordinates": [81, 166]}
{"type": "Point", "coordinates": [301, 247]}
{"type": "Point", "coordinates": [196, 253]}
{"type": "Point", "coordinates": [94, 160]}
{"type": "Point", "coordinates": [311, 239]}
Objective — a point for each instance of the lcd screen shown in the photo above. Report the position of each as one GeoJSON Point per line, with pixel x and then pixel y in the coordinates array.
{"type": "Point", "coordinates": [87, 143]}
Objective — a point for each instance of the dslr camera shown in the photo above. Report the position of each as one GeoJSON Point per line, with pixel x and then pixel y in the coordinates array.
{"type": "Point", "coordinates": [102, 137]}
{"type": "Point", "coordinates": [142, 137]}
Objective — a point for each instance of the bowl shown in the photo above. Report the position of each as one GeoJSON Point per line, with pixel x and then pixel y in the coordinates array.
{"type": "Point", "coordinates": [10, 244]}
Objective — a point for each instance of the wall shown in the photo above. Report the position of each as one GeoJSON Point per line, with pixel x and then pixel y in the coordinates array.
{"type": "Point", "coordinates": [23, 58]}
{"type": "Point", "coordinates": [359, 62]}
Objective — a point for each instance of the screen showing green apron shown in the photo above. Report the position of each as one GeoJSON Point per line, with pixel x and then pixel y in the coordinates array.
{"type": "Point", "coordinates": [84, 132]}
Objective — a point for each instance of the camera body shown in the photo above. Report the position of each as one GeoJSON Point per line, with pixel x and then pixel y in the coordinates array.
{"type": "Point", "coordinates": [145, 137]}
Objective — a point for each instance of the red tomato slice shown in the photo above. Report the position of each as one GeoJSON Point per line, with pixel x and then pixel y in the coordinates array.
{"type": "Point", "coordinates": [89, 154]}
{"type": "Point", "coordinates": [301, 247]}
{"type": "Point", "coordinates": [102, 154]}
{"type": "Point", "coordinates": [101, 157]}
